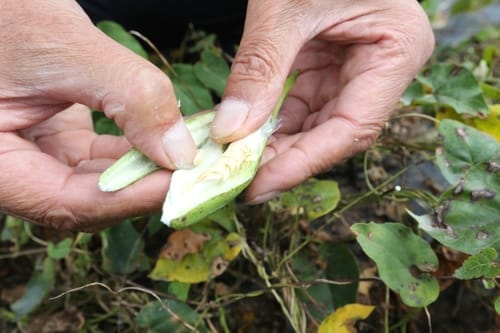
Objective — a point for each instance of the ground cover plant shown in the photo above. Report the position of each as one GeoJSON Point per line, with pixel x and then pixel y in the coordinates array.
{"type": "Point", "coordinates": [404, 237]}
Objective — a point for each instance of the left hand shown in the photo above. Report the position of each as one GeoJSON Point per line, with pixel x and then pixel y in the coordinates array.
{"type": "Point", "coordinates": [50, 172]}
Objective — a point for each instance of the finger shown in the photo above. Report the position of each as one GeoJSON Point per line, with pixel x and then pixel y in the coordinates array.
{"type": "Point", "coordinates": [68, 135]}
{"type": "Point", "coordinates": [270, 43]}
{"type": "Point", "coordinates": [73, 61]}
{"type": "Point", "coordinates": [295, 158]}
{"type": "Point", "coordinates": [140, 99]}
{"type": "Point", "coordinates": [346, 125]}
{"type": "Point", "coordinates": [38, 188]}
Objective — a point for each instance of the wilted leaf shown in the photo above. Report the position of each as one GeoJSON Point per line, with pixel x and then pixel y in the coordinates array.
{"type": "Point", "coordinates": [467, 216]}
{"type": "Point", "coordinates": [344, 318]}
{"type": "Point", "coordinates": [190, 91]}
{"type": "Point", "coordinates": [314, 198]}
{"type": "Point", "coordinates": [341, 266]}
{"type": "Point", "coordinates": [39, 285]}
{"type": "Point", "coordinates": [59, 250]}
{"type": "Point", "coordinates": [213, 71]}
{"type": "Point", "coordinates": [171, 316]}
{"type": "Point", "coordinates": [182, 242]}
{"type": "Point", "coordinates": [489, 125]}
{"type": "Point", "coordinates": [404, 260]}
{"type": "Point", "coordinates": [122, 36]}
{"type": "Point", "coordinates": [481, 265]}
{"type": "Point", "coordinates": [122, 249]}
{"type": "Point", "coordinates": [449, 86]}
{"type": "Point", "coordinates": [210, 261]}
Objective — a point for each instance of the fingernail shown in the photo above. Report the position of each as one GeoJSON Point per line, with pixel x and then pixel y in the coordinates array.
{"type": "Point", "coordinates": [230, 117]}
{"type": "Point", "coordinates": [263, 198]}
{"type": "Point", "coordinates": [179, 145]}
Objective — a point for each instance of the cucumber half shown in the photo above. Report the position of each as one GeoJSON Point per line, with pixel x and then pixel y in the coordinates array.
{"type": "Point", "coordinates": [220, 172]}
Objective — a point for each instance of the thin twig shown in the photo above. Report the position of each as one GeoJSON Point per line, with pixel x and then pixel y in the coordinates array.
{"type": "Point", "coordinates": [22, 253]}
{"type": "Point", "coordinates": [429, 320]}
{"type": "Point", "coordinates": [386, 310]}
{"type": "Point", "coordinates": [144, 290]}
{"type": "Point", "coordinates": [154, 48]}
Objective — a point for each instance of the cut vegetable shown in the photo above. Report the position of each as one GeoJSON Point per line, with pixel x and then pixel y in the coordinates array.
{"type": "Point", "coordinates": [134, 165]}
{"type": "Point", "coordinates": [221, 172]}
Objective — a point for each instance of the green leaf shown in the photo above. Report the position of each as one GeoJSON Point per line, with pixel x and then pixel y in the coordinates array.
{"type": "Point", "coordinates": [341, 266]}
{"type": "Point", "coordinates": [171, 316]}
{"type": "Point", "coordinates": [179, 290]}
{"type": "Point", "coordinates": [39, 285]}
{"type": "Point", "coordinates": [314, 198]}
{"type": "Point", "coordinates": [317, 298]}
{"type": "Point", "coordinates": [462, 148]}
{"type": "Point", "coordinates": [497, 304]}
{"type": "Point", "coordinates": [103, 125]}
{"type": "Point", "coordinates": [190, 91]}
{"type": "Point", "coordinates": [467, 216]}
{"type": "Point", "coordinates": [200, 264]}
{"type": "Point", "coordinates": [14, 231]}
{"type": "Point", "coordinates": [225, 217]}
{"type": "Point", "coordinates": [480, 265]}
{"type": "Point", "coordinates": [463, 234]}
{"type": "Point", "coordinates": [463, 6]}
{"type": "Point", "coordinates": [213, 71]}
{"type": "Point", "coordinates": [449, 86]}
{"type": "Point", "coordinates": [404, 260]}
{"type": "Point", "coordinates": [122, 249]}
{"type": "Point", "coordinates": [122, 36]}
{"type": "Point", "coordinates": [59, 250]}
{"type": "Point", "coordinates": [490, 91]}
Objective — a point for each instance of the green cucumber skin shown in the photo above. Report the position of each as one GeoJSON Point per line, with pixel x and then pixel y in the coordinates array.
{"type": "Point", "coordinates": [126, 164]}
{"type": "Point", "coordinates": [128, 169]}
{"type": "Point", "coordinates": [134, 165]}
{"type": "Point", "coordinates": [222, 199]}
{"type": "Point", "coordinates": [208, 207]}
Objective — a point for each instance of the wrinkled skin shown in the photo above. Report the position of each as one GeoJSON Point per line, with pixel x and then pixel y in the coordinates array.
{"type": "Point", "coordinates": [51, 57]}
{"type": "Point", "coordinates": [356, 58]}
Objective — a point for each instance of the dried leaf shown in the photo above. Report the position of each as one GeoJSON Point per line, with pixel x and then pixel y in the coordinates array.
{"type": "Point", "coordinates": [182, 242]}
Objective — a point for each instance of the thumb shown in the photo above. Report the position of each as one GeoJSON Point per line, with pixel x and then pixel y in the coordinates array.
{"type": "Point", "coordinates": [91, 69]}
{"type": "Point", "coordinates": [141, 100]}
{"type": "Point", "coordinates": [271, 40]}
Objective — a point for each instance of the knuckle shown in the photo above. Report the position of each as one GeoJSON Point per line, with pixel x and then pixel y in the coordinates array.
{"type": "Point", "coordinates": [60, 219]}
{"type": "Point", "coordinates": [258, 61]}
{"type": "Point", "coordinates": [147, 82]}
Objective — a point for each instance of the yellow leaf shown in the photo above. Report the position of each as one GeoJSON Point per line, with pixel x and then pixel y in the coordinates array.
{"type": "Point", "coordinates": [234, 244]}
{"type": "Point", "coordinates": [211, 258]}
{"type": "Point", "coordinates": [342, 320]}
{"type": "Point", "coordinates": [489, 125]}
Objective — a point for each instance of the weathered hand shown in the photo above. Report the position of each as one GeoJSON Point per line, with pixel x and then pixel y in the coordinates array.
{"type": "Point", "coordinates": [356, 58]}
{"type": "Point", "coordinates": [50, 172]}
{"type": "Point", "coordinates": [51, 57]}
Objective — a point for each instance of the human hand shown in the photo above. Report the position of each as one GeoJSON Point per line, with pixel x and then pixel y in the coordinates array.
{"type": "Point", "coordinates": [51, 57]}
{"type": "Point", "coordinates": [356, 59]}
